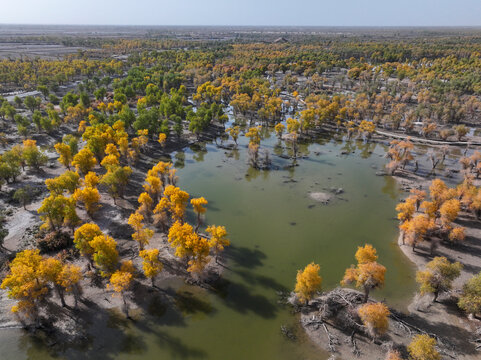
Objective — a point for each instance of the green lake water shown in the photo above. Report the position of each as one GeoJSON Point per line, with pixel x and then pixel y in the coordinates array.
{"type": "Point", "coordinates": [275, 229]}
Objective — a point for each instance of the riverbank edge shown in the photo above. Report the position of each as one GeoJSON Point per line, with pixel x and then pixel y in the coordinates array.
{"type": "Point", "coordinates": [418, 306]}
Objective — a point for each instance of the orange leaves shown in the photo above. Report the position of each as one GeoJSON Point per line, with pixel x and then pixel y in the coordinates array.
{"type": "Point", "coordinates": [457, 234]}
{"type": "Point", "coordinates": [145, 202]}
{"type": "Point", "coordinates": [234, 132]}
{"type": "Point", "coordinates": [368, 274]}
{"type": "Point", "coordinates": [293, 126]}
{"type": "Point", "coordinates": [406, 209]}
{"type": "Point", "coordinates": [279, 128]}
{"type": "Point", "coordinates": [416, 228]}
{"type": "Point", "coordinates": [375, 317]}
{"type": "Point", "coordinates": [367, 127]}
{"type": "Point", "coordinates": [254, 135]}
{"type": "Point", "coordinates": [366, 254]}
{"type": "Point", "coordinates": [91, 179]}
{"type": "Point", "coordinates": [449, 211]}
{"type": "Point", "coordinates": [153, 186]}
{"type": "Point", "coordinates": [308, 281]}
{"type": "Point", "coordinates": [24, 281]}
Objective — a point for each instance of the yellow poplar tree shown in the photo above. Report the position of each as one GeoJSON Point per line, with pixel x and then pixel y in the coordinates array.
{"type": "Point", "coordinates": [65, 154]}
{"type": "Point", "coordinates": [82, 238]}
{"type": "Point", "coordinates": [199, 208]}
{"type": "Point", "coordinates": [141, 234]}
{"type": "Point", "coordinates": [90, 197]}
{"type": "Point", "coordinates": [84, 161]}
{"type": "Point", "coordinates": [375, 316]}
{"type": "Point", "coordinates": [308, 281]}
{"type": "Point", "coordinates": [423, 347]}
{"type": "Point", "coordinates": [366, 275]}
{"type": "Point", "coordinates": [25, 284]}
{"type": "Point", "coordinates": [218, 240]}
{"type": "Point", "coordinates": [151, 263]}
{"type": "Point", "coordinates": [121, 280]}
{"type": "Point", "coordinates": [105, 253]}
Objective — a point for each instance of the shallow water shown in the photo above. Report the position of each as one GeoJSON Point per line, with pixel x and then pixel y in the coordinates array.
{"type": "Point", "coordinates": [275, 229]}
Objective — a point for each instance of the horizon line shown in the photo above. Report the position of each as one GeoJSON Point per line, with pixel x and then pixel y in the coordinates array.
{"type": "Point", "coordinates": [250, 25]}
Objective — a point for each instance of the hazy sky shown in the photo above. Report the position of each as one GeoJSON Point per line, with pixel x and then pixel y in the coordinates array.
{"type": "Point", "coordinates": [244, 12]}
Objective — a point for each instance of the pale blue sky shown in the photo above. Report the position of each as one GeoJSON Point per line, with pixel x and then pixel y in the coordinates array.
{"type": "Point", "coordinates": [244, 12]}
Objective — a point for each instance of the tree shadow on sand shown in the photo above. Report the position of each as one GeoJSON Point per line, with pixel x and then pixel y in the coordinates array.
{"type": "Point", "coordinates": [97, 333]}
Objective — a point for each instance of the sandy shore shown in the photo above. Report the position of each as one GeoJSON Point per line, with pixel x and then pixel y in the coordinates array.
{"type": "Point", "coordinates": [443, 320]}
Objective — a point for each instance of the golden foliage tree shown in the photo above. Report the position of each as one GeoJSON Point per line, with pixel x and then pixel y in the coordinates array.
{"type": "Point", "coordinates": [25, 284]}
{"type": "Point", "coordinates": [105, 253]}
{"type": "Point", "coordinates": [375, 317]}
{"type": "Point", "coordinates": [438, 276]}
{"type": "Point", "coordinates": [199, 208]}
{"type": "Point", "coordinates": [188, 244]}
{"type": "Point", "coordinates": [470, 299]}
{"type": "Point", "coordinates": [151, 263]}
{"type": "Point", "coordinates": [423, 347]}
{"type": "Point", "coordinates": [308, 281]}
{"type": "Point", "coordinates": [65, 154]}
{"type": "Point", "coordinates": [141, 234]}
{"type": "Point", "coordinates": [366, 275]}
{"type": "Point", "coordinates": [218, 239]}
{"type": "Point", "coordinates": [83, 236]}
{"type": "Point", "coordinates": [90, 197]}
{"type": "Point", "coordinates": [121, 280]}
{"type": "Point", "coordinates": [84, 161]}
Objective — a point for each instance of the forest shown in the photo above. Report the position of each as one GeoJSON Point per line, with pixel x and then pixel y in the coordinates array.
{"type": "Point", "coordinates": [105, 150]}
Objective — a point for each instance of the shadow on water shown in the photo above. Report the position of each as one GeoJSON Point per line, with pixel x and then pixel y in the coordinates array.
{"type": "Point", "coordinates": [245, 257]}
{"type": "Point", "coordinates": [188, 303]}
{"type": "Point", "coordinates": [261, 280]}
{"type": "Point", "coordinates": [239, 298]}
{"type": "Point", "coordinates": [108, 334]}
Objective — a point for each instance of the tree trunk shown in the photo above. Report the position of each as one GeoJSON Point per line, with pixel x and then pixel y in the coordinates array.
{"type": "Point", "coordinates": [366, 294]}
{"type": "Point", "coordinates": [125, 307]}
{"type": "Point", "coordinates": [61, 295]}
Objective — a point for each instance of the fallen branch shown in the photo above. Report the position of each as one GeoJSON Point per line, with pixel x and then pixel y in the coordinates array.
{"type": "Point", "coordinates": [330, 338]}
